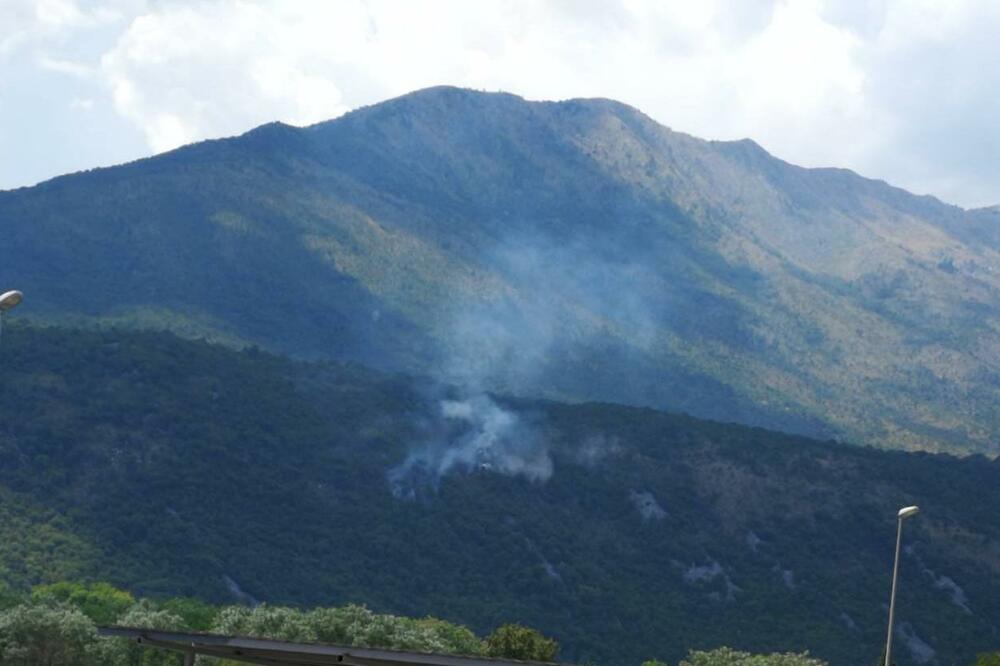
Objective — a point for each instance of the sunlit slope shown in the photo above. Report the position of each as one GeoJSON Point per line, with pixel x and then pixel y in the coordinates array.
{"type": "Point", "coordinates": [175, 467]}
{"type": "Point", "coordinates": [574, 250]}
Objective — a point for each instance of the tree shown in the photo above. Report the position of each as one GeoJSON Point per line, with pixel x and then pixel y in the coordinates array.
{"type": "Point", "coordinates": [8, 598]}
{"type": "Point", "coordinates": [124, 652]}
{"type": "Point", "coordinates": [725, 656]}
{"type": "Point", "coordinates": [988, 659]}
{"type": "Point", "coordinates": [452, 638]}
{"type": "Point", "coordinates": [195, 613]}
{"type": "Point", "coordinates": [513, 641]}
{"type": "Point", "coordinates": [276, 622]}
{"type": "Point", "coordinates": [356, 625]}
{"type": "Point", "coordinates": [101, 602]}
{"type": "Point", "coordinates": [45, 633]}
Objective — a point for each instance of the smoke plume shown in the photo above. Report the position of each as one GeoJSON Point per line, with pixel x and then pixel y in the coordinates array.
{"type": "Point", "coordinates": [562, 305]}
{"type": "Point", "coordinates": [473, 435]}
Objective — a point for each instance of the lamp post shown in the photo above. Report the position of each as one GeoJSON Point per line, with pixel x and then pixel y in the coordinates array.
{"type": "Point", "coordinates": [9, 300]}
{"type": "Point", "coordinates": [903, 514]}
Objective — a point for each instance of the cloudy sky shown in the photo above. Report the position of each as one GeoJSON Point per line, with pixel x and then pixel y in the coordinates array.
{"type": "Point", "coordinates": [904, 90]}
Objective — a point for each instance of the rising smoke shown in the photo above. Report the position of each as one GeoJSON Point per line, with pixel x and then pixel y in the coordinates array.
{"type": "Point", "coordinates": [562, 302]}
{"type": "Point", "coordinates": [477, 435]}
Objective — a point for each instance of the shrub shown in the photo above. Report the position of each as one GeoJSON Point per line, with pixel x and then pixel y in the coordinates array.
{"type": "Point", "coordinates": [512, 641]}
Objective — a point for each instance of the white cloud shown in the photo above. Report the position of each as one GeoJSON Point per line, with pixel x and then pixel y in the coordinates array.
{"type": "Point", "coordinates": [66, 67]}
{"type": "Point", "coordinates": [898, 89]}
{"type": "Point", "coordinates": [713, 68]}
{"type": "Point", "coordinates": [39, 23]}
{"type": "Point", "coordinates": [933, 77]}
{"type": "Point", "coordinates": [184, 72]}
{"type": "Point", "coordinates": [59, 13]}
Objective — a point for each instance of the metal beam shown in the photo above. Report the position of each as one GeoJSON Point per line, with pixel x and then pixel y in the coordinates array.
{"type": "Point", "coordinates": [266, 652]}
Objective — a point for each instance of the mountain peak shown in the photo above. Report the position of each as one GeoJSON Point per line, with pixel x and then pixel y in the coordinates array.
{"type": "Point", "coordinates": [443, 97]}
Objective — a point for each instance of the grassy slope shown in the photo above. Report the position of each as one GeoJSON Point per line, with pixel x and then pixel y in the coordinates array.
{"type": "Point", "coordinates": [165, 465]}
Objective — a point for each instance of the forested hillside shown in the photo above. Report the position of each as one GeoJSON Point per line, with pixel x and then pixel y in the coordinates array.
{"type": "Point", "coordinates": [171, 467]}
{"type": "Point", "coordinates": [573, 251]}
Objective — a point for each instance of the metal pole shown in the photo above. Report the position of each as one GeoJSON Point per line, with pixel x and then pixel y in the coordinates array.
{"type": "Point", "coordinates": [892, 596]}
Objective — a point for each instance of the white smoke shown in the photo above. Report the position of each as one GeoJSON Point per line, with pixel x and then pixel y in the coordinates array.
{"type": "Point", "coordinates": [595, 449]}
{"type": "Point", "coordinates": [560, 299]}
{"type": "Point", "coordinates": [479, 436]}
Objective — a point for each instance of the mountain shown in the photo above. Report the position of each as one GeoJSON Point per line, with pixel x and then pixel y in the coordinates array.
{"type": "Point", "coordinates": [173, 467]}
{"type": "Point", "coordinates": [575, 251]}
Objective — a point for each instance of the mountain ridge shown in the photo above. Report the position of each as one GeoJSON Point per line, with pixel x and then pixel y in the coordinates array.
{"type": "Point", "coordinates": [278, 125]}
{"type": "Point", "coordinates": [574, 250]}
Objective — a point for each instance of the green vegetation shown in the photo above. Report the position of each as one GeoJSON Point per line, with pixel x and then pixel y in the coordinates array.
{"type": "Point", "coordinates": [350, 625]}
{"type": "Point", "coordinates": [572, 250]}
{"type": "Point", "coordinates": [101, 602]}
{"type": "Point", "coordinates": [33, 634]}
{"type": "Point", "coordinates": [512, 641]}
{"type": "Point", "coordinates": [56, 626]}
{"type": "Point", "coordinates": [202, 476]}
{"type": "Point", "coordinates": [728, 657]}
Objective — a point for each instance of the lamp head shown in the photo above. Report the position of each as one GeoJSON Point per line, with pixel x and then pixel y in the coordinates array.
{"type": "Point", "coordinates": [10, 299]}
{"type": "Point", "coordinates": [908, 511]}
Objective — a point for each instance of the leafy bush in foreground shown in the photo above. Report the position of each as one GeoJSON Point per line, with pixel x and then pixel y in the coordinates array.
{"type": "Point", "coordinates": [56, 625]}
{"type": "Point", "coordinates": [42, 633]}
{"type": "Point", "coordinates": [512, 641]}
{"type": "Point", "coordinates": [725, 656]}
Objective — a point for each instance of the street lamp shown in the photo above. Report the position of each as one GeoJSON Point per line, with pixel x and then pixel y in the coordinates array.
{"type": "Point", "coordinates": [9, 300]}
{"type": "Point", "coordinates": [903, 514]}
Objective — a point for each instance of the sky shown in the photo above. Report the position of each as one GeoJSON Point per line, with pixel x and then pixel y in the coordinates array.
{"type": "Point", "coordinates": [903, 90]}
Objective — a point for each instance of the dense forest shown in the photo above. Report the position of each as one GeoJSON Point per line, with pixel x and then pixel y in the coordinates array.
{"type": "Point", "coordinates": [172, 468]}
